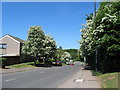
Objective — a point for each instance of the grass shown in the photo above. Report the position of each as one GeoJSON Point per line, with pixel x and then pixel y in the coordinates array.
{"type": "Point", "coordinates": [22, 65]}
{"type": "Point", "coordinates": [96, 73]}
{"type": "Point", "coordinates": [109, 80]}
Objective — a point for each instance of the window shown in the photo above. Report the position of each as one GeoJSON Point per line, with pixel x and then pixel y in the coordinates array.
{"type": "Point", "coordinates": [3, 46]}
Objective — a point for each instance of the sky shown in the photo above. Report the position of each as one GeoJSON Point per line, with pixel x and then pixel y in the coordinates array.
{"type": "Point", "coordinates": [62, 20]}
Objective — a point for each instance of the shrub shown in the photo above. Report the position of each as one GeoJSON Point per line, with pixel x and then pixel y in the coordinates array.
{"type": "Point", "coordinates": [2, 62]}
{"type": "Point", "coordinates": [51, 60]}
{"type": "Point", "coordinates": [96, 73]}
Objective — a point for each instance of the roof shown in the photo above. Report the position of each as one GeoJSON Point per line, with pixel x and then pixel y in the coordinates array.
{"type": "Point", "coordinates": [16, 38]}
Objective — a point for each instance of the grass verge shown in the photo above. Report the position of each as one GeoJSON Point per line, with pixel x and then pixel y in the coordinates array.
{"type": "Point", "coordinates": [22, 65]}
{"type": "Point", "coordinates": [109, 80]}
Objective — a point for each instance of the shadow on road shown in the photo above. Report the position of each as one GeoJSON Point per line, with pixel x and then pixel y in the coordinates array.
{"type": "Point", "coordinates": [6, 68]}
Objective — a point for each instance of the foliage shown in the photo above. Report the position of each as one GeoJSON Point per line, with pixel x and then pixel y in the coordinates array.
{"type": "Point", "coordinates": [50, 46]}
{"type": "Point", "coordinates": [35, 42]}
{"type": "Point", "coordinates": [2, 62]}
{"type": "Point", "coordinates": [96, 73]}
{"type": "Point", "coordinates": [73, 53]}
{"type": "Point", "coordinates": [59, 53]}
{"type": "Point", "coordinates": [38, 45]}
{"type": "Point", "coordinates": [51, 60]}
{"type": "Point", "coordinates": [34, 46]}
{"type": "Point", "coordinates": [101, 33]}
{"type": "Point", "coordinates": [65, 57]}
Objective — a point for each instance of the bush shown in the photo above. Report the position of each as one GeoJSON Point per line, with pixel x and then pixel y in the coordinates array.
{"type": "Point", "coordinates": [51, 60]}
{"type": "Point", "coordinates": [96, 73]}
{"type": "Point", "coordinates": [2, 62]}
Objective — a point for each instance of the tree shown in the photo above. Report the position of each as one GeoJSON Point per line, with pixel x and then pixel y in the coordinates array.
{"type": "Point", "coordinates": [65, 57]}
{"type": "Point", "coordinates": [50, 47]}
{"type": "Point", "coordinates": [73, 53]}
{"type": "Point", "coordinates": [59, 53]}
{"type": "Point", "coordinates": [34, 46]}
{"type": "Point", "coordinates": [39, 46]}
{"type": "Point", "coordinates": [102, 34]}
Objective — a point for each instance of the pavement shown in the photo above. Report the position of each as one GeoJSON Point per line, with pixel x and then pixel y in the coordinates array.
{"type": "Point", "coordinates": [53, 77]}
{"type": "Point", "coordinates": [82, 79]}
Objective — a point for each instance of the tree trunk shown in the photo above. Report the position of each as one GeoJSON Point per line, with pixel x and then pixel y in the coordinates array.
{"type": "Point", "coordinates": [35, 62]}
{"type": "Point", "coordinates": [43, 60]}
{"type": "Point", "coordinates": [3, 66]}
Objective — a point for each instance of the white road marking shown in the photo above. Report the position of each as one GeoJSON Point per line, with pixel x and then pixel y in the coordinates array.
{"type": "Point", "coordinates": [12, 79]}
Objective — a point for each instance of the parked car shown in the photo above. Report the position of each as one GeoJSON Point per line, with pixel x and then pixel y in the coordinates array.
{"type": "Point", "coordinates": [67, 63]}
{"type": "Point", "coordinates": [58, 63]}
{"type": "Point", "coordinates": [72, 64]}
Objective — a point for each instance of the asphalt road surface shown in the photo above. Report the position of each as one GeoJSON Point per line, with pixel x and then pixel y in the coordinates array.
{"type": "Point", "coordinates": [40, 78]}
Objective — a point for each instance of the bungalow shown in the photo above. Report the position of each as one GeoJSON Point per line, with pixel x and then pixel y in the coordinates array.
{"type": "Point", "coordinates": [10, 48]}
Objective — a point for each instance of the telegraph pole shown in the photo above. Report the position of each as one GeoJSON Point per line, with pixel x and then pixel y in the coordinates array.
{"type": "Point", "coordinates": [96, 61]}
{"type": "Point", "coordinates": [96, 54]}
{"type": "Point", "coordinates": [95, 7]}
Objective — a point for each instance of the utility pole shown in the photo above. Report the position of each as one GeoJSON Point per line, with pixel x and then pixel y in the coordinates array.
{"type": "Point", "coordinates": [96, 60]}
{"type": "Point", "coordinates": [95, 7]}
{"type": "Point", "coordinates": [84, 61]}
{"type": "Point", "coordinates": [78, 54]}
{"type": "Point", "coordinates": [95, 27]}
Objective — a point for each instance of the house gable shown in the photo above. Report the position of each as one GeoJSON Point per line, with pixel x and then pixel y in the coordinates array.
{"type": "Point", "coordinates": [13, 45]}
{"type": "Point", "coordinates": [13, 38]}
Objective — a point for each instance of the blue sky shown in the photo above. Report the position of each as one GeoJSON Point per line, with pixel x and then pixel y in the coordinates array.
{"type": "Point", "coordinates": [63, 20]}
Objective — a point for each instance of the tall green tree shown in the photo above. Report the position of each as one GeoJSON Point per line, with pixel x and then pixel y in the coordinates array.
{"type": "Point", "coordinates": [34, 46]}
{"type": "Point", "coordinates": [101, 33]}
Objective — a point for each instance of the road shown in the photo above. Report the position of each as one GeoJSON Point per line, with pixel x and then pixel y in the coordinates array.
{"type": "Point", "coordinates": [40, 78]}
